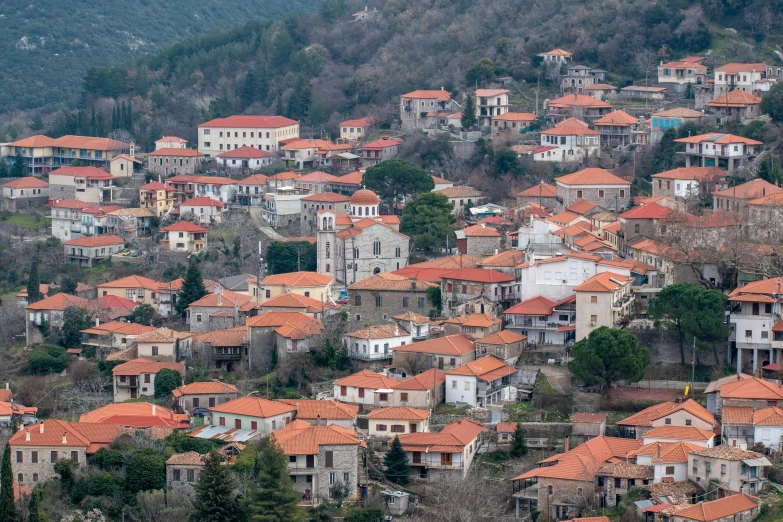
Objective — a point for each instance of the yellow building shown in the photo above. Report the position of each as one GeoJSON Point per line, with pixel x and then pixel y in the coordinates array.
{"type": "Point", "coordinates": [42, 154]}
{"type": "Point", "coordinates": [123, 166]}
{"type": "Point", "coordinates": [157, 197]}
{"type": "Point", "coordinates": [309, 284]}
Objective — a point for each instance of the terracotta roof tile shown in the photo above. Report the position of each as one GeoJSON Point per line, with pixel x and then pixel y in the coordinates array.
{"type": "Point", "coordinates": [298, 279]}
{"type": "Point", "coordinates": [487, 369]}
{"type": "Point", "coordinates": [422, 381]}
{"type": "Point", "coordinates": [294, 301]}
{"type": "Point", "coordinates": [753, 388]}
{"type": "Point", "coordinates": [95, 241]}
{"type": "Point", "coordinates": [399, 412]}
{"type": "Point", "coordinates": [588, 418]}
{"type": "Point", "coordinates": [626, 470]}
{"type": "Point", "coordinates": [137, 414]}
{"type": "Point", "coordinates": [478, 275]}
{"type": "Point", "coordinates": [208, 387]}
{"type": "Point", "coordinates": [141, 365]}
{"type": "Point", "coordinates": [26, 182]}
{"type": "Point", "coordinates": [378, 332]}
{"type": "Point", "coordinates": [456, 344]}
{"type": "Point", "coordinates": [367, 379]}
{"type": "Point", "coordinates": [440, 95]}
{"type": "Point", "coordinates": [668, 451]}
{"type": "Point", "coordinates": [501, 338]}
{"type": "Point", "coordinates": [719, 509]}
{"type": "Point", "coordinates": [327, 410]}
{"type": "Point", "coordinates": [578, 100]}
{"type": "Point", "coordinates": [477, 320]}
{"type": "Point", "coordinates": [648, 211]}
{"type": "Point", "coordinates": [679, 432]}
{"type": "Point", "coordinates": [645, 417]}
{"type": "Point", "coordinates": [298, 439]}
{"type": "Point", "coordinates": [412, 316]}
{"type": "Point", "coordinates": [162, 335]}
{"type": "Point", "coordinates": [59, 302]}
{"type": "Point", "coordinates": [726, 452]}
{"type": "Point", "coordinates": [544, 190]}
{"type": "Point", "coordinates": [250, 121]}
{"type": "Point", "coordinates": [737, 415]}
{"type": "Point", "coordinates": [253, 407]}
{"type": "Point", "coordinates": [57, 433]}
{"type": "Point", "coordinates": [191, 458]}
{"type": "Point", "coordinates": [618, 118]}
{"type": "Point", "coordinates": [390, 281]}
{"type": "Point", "coordinates": [604, 282]}
{"type": "Point", "coordinates": [480, 231]}
{"type": "Point", "coordinates": [719, 138]}
{"type": "Point", "coordinates": [591, 176]}
{"type": "Point", "coordinates": [507, 259]}
{"type": "Point", "coordinates": [460, 191]}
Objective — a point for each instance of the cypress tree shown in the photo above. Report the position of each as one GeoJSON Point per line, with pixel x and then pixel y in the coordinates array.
{"type": "Point", "coordinates": [100, 129]}
{"type": "Point", "coordinates": [34, 509]}
{"type": "Point", "coordinates": [19, 169]}
{"type": "Point", "coordinates": [192, 288]}
{"type": "Point", "coordinates": [33, 284]}
{"type": "Point", "coordinates": [275, 500]}
{"type": "Point", "coordinates": [249, 88]}
{"type": "Point", "coordinates": [7, 507]}
{"type": "Point", "coordinates": [214, 499]}
{"type": "Point", "coordinates": [395, 463]}
{"type": "Point", "coordinates": [468, 114]}
{"type": "Point", "coordinates": [122, 124]}
{"type": "Point", "coordinates": [93, 123]}
{"type": "Point", "coordinates": [129, 117]}
{"type": "Point", "coordinates": [114, 117]}
{"type": "Point", "coordinates": [518, 442]}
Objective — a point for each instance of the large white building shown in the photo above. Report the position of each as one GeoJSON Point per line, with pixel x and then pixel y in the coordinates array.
{"type": "Point", "coordinates": [260, 132]}
{"type": "Point", "coordinates": [756, 328]}
{"type": "Point", "coordinates": [360, 243]}
{"type": "Point", "coordinates": [748, 77]}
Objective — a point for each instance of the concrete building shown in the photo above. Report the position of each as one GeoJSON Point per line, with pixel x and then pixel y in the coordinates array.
{"type": "Point", "coordinates": [734, 468]}
{"type": "Point", "coordinates": [461, 195]}
{"type": "Point", "coordinates": [168, 161]}
{"type": "Point", "coordinates": [380, 150]}
{"type": "Point", "coordinates": [193, 396]}
{"type": "Point", "coordinates": [89, 184]}
{"type": "Point", "coordinates": [480, 383]}
{"type": "Point", "coordinates": [246, 158]}
{"type": "Point", "coordinates": [556, 56]}
{"type": "Point", "coordinates": [260, 132]}
{"type": "Point", "coordinates": [595, 185]}
{"type": "Point", "coordinates": [490, 103]}
{"type": "Point", "coordinates": [42, 154]}
{"type": "Point", "coordinates": [375, 343]}
{"type": "Point", "coordinates": [687, 183]}
{"type": "Point", "coordinates": [136, 378]}
{"type": "Point", "coordinates": [678, 74]}
{"type": "Point", "coordinates": [602, 300]}
{"type": "Point", "coordinates": [184, 236]}
{"type": "Point", "coordinates": [308, 284]}
{"type": "Point", "coordinates": [569, 140]}
{"type": "Point", "coordinates": [356, 130]}
{"type": "Point", "coordinates": [251, 413]}
{"type": "Point", "coordinates": [425, 390]}
{"type": "Point", "coordinates": [251, 190]}
{"type": "Point", "coordinates": [745, 77]}
{"type": "Point", "coordinates": [448, 453]}
{"type": "Point", "coordinates": [579, 106]}
{"type": "Point", "coordinates": [202, 209]}
{"type": "Point", "coordinates": [87, 252]}
{"type": "Point", "coordinates": [442, 353]}
{"type": "Point", "coordinates": [366, 389]}
{"type": "Point", "coordinates": [505, 345]}
{"type": "Point", "coordinates": [387, 423]}
{"type": "Point", "coordinates": [754, 317]}
{"type": "Point", "coordinates": [725, 151]}
{"type": "Point", "coordinates": [543, 321]}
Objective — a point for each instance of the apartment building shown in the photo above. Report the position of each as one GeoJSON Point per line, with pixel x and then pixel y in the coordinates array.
{"type": "Point", "coordinates": [260, 132]}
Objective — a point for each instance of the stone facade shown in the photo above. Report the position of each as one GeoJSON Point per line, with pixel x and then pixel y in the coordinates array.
{"type": "Point", "coordinates": [311, 474]}
{"type": "Point", "coordinates": [29, 473]}
{"type": "Point", "coordinates": [482, 246]}
{"type": "Point", "coordinates": [183, 478]}
{"type": "Point", "coordinates": [509, 353]}
{"type": "Point", "coordinates": [192, 401]}
{"type": "Point", "coordinates": [364, 308]}
{"type": "Point", "coordinates": [612, 488]}
{"type": "Point", "coordinates": [203, 318]}
{"type": "Point", "coordinates": [608, 196]}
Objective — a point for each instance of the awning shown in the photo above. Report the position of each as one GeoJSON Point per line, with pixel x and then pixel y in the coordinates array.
{"type": "Point", "coordinates": [384, 390]}
{"type": "Point", "coordinates": [761, 461]}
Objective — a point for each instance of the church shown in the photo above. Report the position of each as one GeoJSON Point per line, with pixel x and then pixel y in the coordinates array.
{"type": "Point", "coordinates": [360, 243]}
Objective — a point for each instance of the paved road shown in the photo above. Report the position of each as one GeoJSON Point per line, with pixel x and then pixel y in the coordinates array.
{"type": "Point", "coordinates": [262, 225]}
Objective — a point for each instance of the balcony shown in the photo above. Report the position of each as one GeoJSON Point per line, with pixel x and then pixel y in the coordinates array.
{"type": "Point", "coordinates": [228, 356]}
{"type": "Point", "coordinates": [370, 356]}
{"type": "Point", "coordinates": [129, 383]}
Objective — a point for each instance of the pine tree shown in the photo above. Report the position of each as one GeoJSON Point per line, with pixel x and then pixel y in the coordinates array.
{"type": "Point", "coordinates": [192, 288]}
{"type": "Point", "coordinates": [129, 118]}
{"type": "Point", "coordinates": [275, 500]}
{"type": "Point", "coordinates": [114, 117]}
{"type": "Point", "coordinates": [19, 169]}
{"type": "Point", "coordinates": [7, 507]}
{"type": "Point", "coordinates": [300, 100]}
{"type": "Point", "coordinates": [262, 83]}
{"type": "Point", "coordinates": [33, 284]}
{"type": "Point", "coordinates": [34, 509]}
{"type": "Point", "coordinates": [215, 501]}
{"type": "Point", "coordinates": [518, 442]}
{"type": "Point", "coordinates": [249, 88]}
{"type": "Point", "coordinates": [468, 114]}
{"type": "Point", "coordinates": [395, 463]}
{"type": "Point", "coordinates": [3, 167]}
{"type": "Point", "coordinates": [279, 111]}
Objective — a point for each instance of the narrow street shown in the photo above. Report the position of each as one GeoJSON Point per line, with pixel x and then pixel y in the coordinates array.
{"type": "Point", "coordinates": [263, 226]}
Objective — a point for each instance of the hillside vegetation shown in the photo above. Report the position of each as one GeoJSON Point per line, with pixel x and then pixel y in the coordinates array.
{"type": "Point", "coordinates": [46, 46]}
{"type": "Point", "coordinates": [321, 67]}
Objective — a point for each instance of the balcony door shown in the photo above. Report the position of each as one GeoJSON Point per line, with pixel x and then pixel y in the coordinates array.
{"type": "Point", "coordinates": [445, 459]}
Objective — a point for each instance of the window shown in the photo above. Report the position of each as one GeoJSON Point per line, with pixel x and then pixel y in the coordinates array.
{"type": "Point", "coordinates": [238, 424]}
{"type": "Point", "coordinates": [380, 427]}
{"type": "Point", "coordinates": [357, 300]}
{"type": "Point", "coordinates": [403, 396]}
{"type": "Point", "coordinates": [550, 489]}
{"type": "Point", "coordinates": [688, 422]}
{"type": "Point", "coordinates": [20, 478]}
{"type": "Point", "coordinates": [254, 425]}
{"type": "Point", "coordinates": [346, 477]}
{"type": "Point", "coordinates": [75, 456]}
{"type": "Point", "coordinates": [670, 470]}
{"type": "Point", "coordinates": [147, 378]}
{"type": "Point", "coordinates": [383, 397]}
{"type": "Point", "coordinates": [154, 350]}
{"type": "Point", "coordinates": [53, 456]}
{"type": "Point", "coordinates": [398, 428]}
{"type": "Point", "coordinates": [198, 318]}
{"type": "Point", "coordinates": [579, 194]}
{"type": "Point", "coordinates": [593, 318]}
{"type": "Point", "coordinates": [34, 457]}
{"type": "Point", "coordinates": [376, 247]}
{"type": "Point", "coordinates": [622, 193]}
{"type": "Point", "coordinates": [636, 228]}
{"type": "Point", "coordinates": [343, 391]}
{"type": "Point", "coordinates": [696, 466]}
{"type": "Point", "coordinates": [379, 301]}
{"type": "Point", "coordinates": [467, 385]}
{"type": "Point", "coordinates": [405, 302]}
{"type": "Point", "coordinates": [176, 475]}
{"type": "Point", "coordinates": [600, 193]}
{"type": "Point", "coordinates": [668, 421]}
{"type": "Point", "coordinates": [453, 385]}
{"type": "Point", "coordinates": [329, 459]}
{"type": "Point", "coordinates": [708, 466]}
{"type": "Point", "coordinates": [593, 299]}
{"type": "Point", "coordinates": [19, 457]}
{"type": "Point", "coordinates": [222, 421]}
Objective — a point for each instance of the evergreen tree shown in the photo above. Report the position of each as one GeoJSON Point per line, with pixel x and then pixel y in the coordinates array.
{"type": "Point", "coordinates": [300, 100]}
{"type": "Point", "coordinates": [279, 111]}
{"type": "Point", "coordinates": [262, 83]}
{"type": "Point", "coordinates": [468, 114]}
{"type": "Point", "coordinates": [275, 500]}
{"type": "Point", "coordinates": [249, 88]}
{"type": "Point", "coordinates": [688, 94]}
{"type": "Point", "coordinates": [33, 284]}
{"type": "Point", "coordinates": [192, 288]}
{"type": "Point", "coordinates": [34, 509]}
{"type": "Point", "coordinates": [129, 118]}
{"type": "Point", "coordinates": [100, 129]}
{"type": "Point", "coordinates": [7, 507]}
{"type": "Point", "coordinates": [19, 169]}
{"type": "Point", "coordinates": [93, 123]}
{"type": "Point", "coordinates": [114, 117]}
{"type": "Point", "coordinates": [215, 501]}
{"type": "Point", "coordinates": [518, 442]}
{"type": "Point", "coordinates": [3, 167]}
{"type": "Point", "coordinates": [395, 463]}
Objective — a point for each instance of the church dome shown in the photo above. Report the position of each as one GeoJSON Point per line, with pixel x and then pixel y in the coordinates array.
{"type": "Point", "coordinates": [365, 197]}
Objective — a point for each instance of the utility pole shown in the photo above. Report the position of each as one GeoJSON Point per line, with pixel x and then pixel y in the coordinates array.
{"type": "Point", "coordinates": [693, 366]}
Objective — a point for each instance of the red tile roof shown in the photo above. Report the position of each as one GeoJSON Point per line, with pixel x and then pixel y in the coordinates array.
{"type": "Point", "coordinates": [57, 433]}
{"type": "Point", "coordinates": [202, 201]}
{"type": "Point", "coordinates": [604, 282]}
{"type": "Point", "coordinates": [668, 451]}
{"type": "Point", "coordinates": [82, 172]}
{"type": "Point", "coordinates": [753, 388]}
{"type": "Point", "coordinates": [578, 100]}
{"type": "Point", "coordinates": [201, 388]}
{"type": "Point", "coordinates": [544, 190]}
{"type": "Point", "coordinates": [423, 381]}
{"type": "Point", "coordinates": [299, 438]}
{"type": "Point", "coordinates": [298, 279]}
{"type": "Point", "coordinates": [324, 410]}
{"type": "Point", "coordinates": [360, 122]}
{"type": "Point", "coordinates": [487, 369]}
{"type": "Point", "coordinates": [502, 337]}
{"type": "Point", "coordinates": [477, 320]}
{"type": "Point", "coordinates": [456, 344]}
{"type": "Point", "coordinates": [58, 302]}
{"type": "Point", "coordinates": [440, 95]}
{"type": "Point", "coordinates": [735, 98]}
{"type": "Point", "coordinates": [648, 211]}
{"type": "Point", "coordinates": [591, 176]}
{"type": "Point", "coordinates": [367, 379]}
{"type": "Point", "coordinates": [185, 226]}
{"type": "Point", "coordinates": [478, 275]}
{"type": "Point", "coordinates": [645, 417]}
{"type": "Point", "coordinates": [539, 305]}
{"type": "Point", "coordinates": [719, 138]}
{"type": "Point", "coordinates": [719, 509]}
{"type": "Point", "coordinates": [246, 152]}
{"type": "Point", "coordinates": [183, 153]}
{"type": "Point", "coordinates": [95, 241]}
{"type": "Point", "coordinates": [678, 432]}
{"type": "Point", "coordinates": [250, 121]}
{"type": "Point", "coordinates": [399, 413]}
{"type": "Point", "coordinates": [138, 414]}
{"type": "Point", "coordinates": [480, 230]}
{"type": "Point", "coordinates": [618, 118]}
{"type": "Point", "coordinates": [26, 182]}
{"type": "Point", "coordinates": [138, 366]}
{"type": "Point", "coordinates": [253, 407]}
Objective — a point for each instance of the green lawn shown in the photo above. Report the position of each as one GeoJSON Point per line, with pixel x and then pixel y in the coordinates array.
{"type": "Point", "coordinates": [27, 221]}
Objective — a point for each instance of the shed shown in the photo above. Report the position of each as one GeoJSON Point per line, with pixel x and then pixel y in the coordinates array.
{"type": "Point", "coordinates": [588, 424]}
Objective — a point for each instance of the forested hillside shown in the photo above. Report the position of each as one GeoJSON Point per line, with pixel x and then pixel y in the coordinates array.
{"type": "Point", "coordinates": [46, 46]}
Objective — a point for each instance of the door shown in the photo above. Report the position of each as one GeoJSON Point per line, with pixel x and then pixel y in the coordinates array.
{"type": "Point", "coordinates": [413, 428]}
{"type": "Point", "coordinates": [440, 363]}
{"type": "Point", "coordinates": [195, 402]}
{"type": "Point", "coordinates": [310, 460]}
{"type": "Point", "coordinates": [445, 459]}
{"type": "Point", "coordinates": [417, 457]}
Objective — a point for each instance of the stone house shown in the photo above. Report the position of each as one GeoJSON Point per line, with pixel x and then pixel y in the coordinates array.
{"type": "Point", "coordinates": [579, 106]}
{"type": "Point", "coordinates": [448, 453]}
{"type": "Point", "coordinates": [168, 161]}
{"type": "Point", "coordinates": [377, 151]}
{"type": "Point", "coordinates": [727, 509]}
{"type": "Point", "coordinates": [569, 140]}
{"type": "Point", "coordinates": [321, 459]}
{"type": "Point", "coordinates": [49, 310]}
{"type": "Point", "coordinates": [251, 414]}
{"type": "Point", "coordinates": [376, 298]}
{"type": "Point", "coordinates": [365, 388]}
{"type": "Point", "coordinates": [737, 104]}
{"type": "Point", "coordinates": [164, 344]}
{"type": "Point", "coordinates": [190, 397]}
{"type": "Point", "coordinates": [615, 479]}
{"type": "Point", "coordinates": [476, 290]}
{"type": "Point", "coordinates": [136, 378]}
{"type": "Point", "coordinates": [36, 448]}
{"type": "Point", "coordinates": [297, 303]}
{"type": "Point", "coordinates": [643, 221]}
{"type": "Point", "coordinates": [321, 201]}
{"type": "Point", "coordinates": [736, 199]}
{"type": "Point", "coordinates": [478, 240]}
{"type": "Point", "coordinates": [287, 332]}
{"type": "Point", "coordinates": [387, 423]}
{"type": "Point", "coordinates": [130, 223]}
{"type": "Point", "coordinates": [113, 336]}
{"type": "Point", "coordinates": [595, 185]}
{"type": "Point", "coordinates": [736, 469]}
{"type": "Point", "coordinates": [505, 345]}
{"type": "Point", "coordinates": [425, 390]}
{"type": "Point", "coordinates": [442, 353]}
{"type": "Point", "coordinates": [223, 348]}
{"type": "Point", "coordinates": [544, 194]}
{"type": "Point", "coordinates": [588, 424]}
{"type": "Point", "coordinates": [24, 193]}
{"type": "Point", "coordinates": [684, 183]}
{"type": "Point", "coordinates": [461, 195]}
{"type": "Point", "coordinates": [375, 343]}
{"type": "Point", "coordinates": [473, 326]}
{"type": "Point", "coordinates": [324, 412]}
{"type": "Point", "coordinates": [578, 77]}
{"type": "Point", "coordinates": [219, 310]}
{"type": "Point", "coordinates": [688, 413]}
{"type": "Point", "coordinates": [183, 471]}
{"type": "Point", "coordinates": [416, 106]}
{"type": "Point", "coordinates": [308, 284]}
{"type": "Point", "coordinates": [88, 251]}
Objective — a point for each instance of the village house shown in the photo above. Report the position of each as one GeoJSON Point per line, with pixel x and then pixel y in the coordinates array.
{"type": "Point", "coordinates": [95, 220]}
{"type": "Point", "coordinates": [712, 392]}
{"type": "Point", "coordinates": [473, 326]}
{"type": "Point", "coordinates": [184, 236]}
{"type": "Point", "coordinates": [226, 348]}
{"type": "Point", "coordinates": [415, 107]}
{"type": "Point", "coordinates": [647, 220]}
{"type": "Point", "coordinates": [598, 186]}
{"type": "Point", "coordinates": [308, 284]}
{"type": "Point", "coordinates": [477, 240]}
{"type": "Point", "coordinates": [726, 151]}
{"type": "Point", "coordinates": [568, 140]}
{"type": "Point", "coordinates": [170, 142]}
{"type": "Point", "coordinates": [603, 300]}
{"type": "Point", "coordinates": [67, 218]}
{"type": "Point", "coordinates": [356, 130]}
{"type": "Point", "coordinates": [476, 290]}
{"type": "Point", "coordinates": [600, 91]}
{"type": "Point", "coordinates": [157, 421]}
{"type": "Point", "coordinates": [448, 453]}
{"type": "Point", "coordinates": [251, 413]}
{"type": "Point", "coordinates": [301, 153]}
{"type": "Point", "coordinates": [505, 345]}
{"type": "Point", "coordinates": [442, 353]}
{"type": "Point", "coordinates": [167, 161]}
{"type": "Point", "coordinates": [49, 310]}
{"type": "Point", "coordinates": [130, 223]}
{"type": "Point", "coordinates": [204, 210]}
{"type": "Point", "coordinates": [577, 77]}
{"type": "Point", "coordinates": [620, 129]}
{"type": "Point", "coordinates": [688, 413]}
{"type": "Point", "coordinates": [735, 199]}
{"type": "Point", "coordinates": [754, 316]}
{"type": "Point", "coordinates": [558, 56]}
{"type": "Point", "coordinates": [24, 193]}
{"type": "Point", "coordinates": [11, 412]}
{"type": "Point", "coordinates": [251, 190]}
{"type": "Point", "coordinates": [87, 252]}
{"type": "Point", "coordinates": [543, 194]}
{"type": "Point", "coordinates": [678, 74]}
{"type": "Point", "coordinates": [415, 324]}
{"type": "Point", "coordinates": [734, 507]}
{"type": "Point", "coordinates": [675, 118]}
{"type": "Point", "coordinates": [614, 480]}
{"type": "Point", "coordinates": [559, 485]}
{"type": "Point", "coordinates": [588, 425]}
{"type": "Point", "coordinates": [157, 197]}
{"type": "Point", "coordinates": [282, 205]}
{"type": "Point", "coordinates": [377, 151]}
{"type": "Point", "coordinates": [124, 166]}
{"type": "Point", "coordinates": [36, 448]}
{"type": "Point", "coordinates": [41, 154]}
{"type": "Point", "coordinates": [668, 461]}
{"type": "Point", "coordinates": [112, 336]}
{"type": "Point", "coordinates": [246, 158]}
{"type": "Point", "coordinates": [366, 389]}
{"type": "Point", "coordinates": [734, 468]}
{"type": "Point", "coordinates": [164, 344]}
{"type": "Point", "coordinates": [490, 103]}
{"type": "Point", "coordinates": [324, 412]}
{"type": "Point", "coordinates": [200, 395]}
{"type": "Point", "coordinates": [736, 104]}
{"type": "Point", "coordinates": [687, 183]}
{"type": "Point", "coordinates": [375, 343]}
{"type": "Point", "coordinates": [744, 391]}
{"type": "Point", "coordinates": [504, 262]}
{"type": "Point", "coordinates": [297, 303]}
{"type": "Point", "coordinates": [220, 309]}
{"type": "Point", "coordinates": [480, 383]}
{"type": "Point", "coordinates": [321, 459]}
{"type": "Point", "coordinates": [513, 122]}
{"type": "Point", "coordinates": [425, 390]}
{"type": "Point", "coordinates": [543, 321]}
{"type": "Point", "coordinates": [142, 290]}
{"type": "Point", "coordinates": [690, 434]}
{"type": "Point", "coordinates": [745, 77]}
{"type": "Point", "coordinates": [287, 332]}
{"type": "Point", "coordinates": [579, 106]}
{"type": "Point", "coordinates": [745, 426]}
{"type": "Point", "coordinates": [260, 132]}
{"type": "Point", "coordinates": [461, 195]}
{"type": "Point", "coordinates": [386, 423]}
{"type": "Point", "coordinates": [183, 471]}
{"type": "Point", "coordinates": [136, 378]}
{"type": "Point", "coordinates": [645, 93]}
{"type": "Point", "coordinates": [89, 184]}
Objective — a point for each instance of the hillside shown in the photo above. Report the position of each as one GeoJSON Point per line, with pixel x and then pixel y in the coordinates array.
{"type": "Point", "coordinates": [47, 46]}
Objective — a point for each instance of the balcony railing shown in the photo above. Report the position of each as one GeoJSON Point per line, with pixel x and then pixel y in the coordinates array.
{"type": "Point", "coordinates": [370, 356]}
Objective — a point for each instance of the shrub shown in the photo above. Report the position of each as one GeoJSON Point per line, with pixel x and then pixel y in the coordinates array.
{"type": "Point", "coordinates": [165, 381]}
{"type": "Point", "coordinates": [47, 359]}
{"type": "Point", "coordinates": [145, 470]}
{"type": "Point", "coordinates": [102, 484]}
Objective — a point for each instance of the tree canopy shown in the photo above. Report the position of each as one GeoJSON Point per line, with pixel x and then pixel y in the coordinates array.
{"type": "Point", "coordinates": [468, 120]}
{"type": "Point", "coordinates": [33, 284]}
{"type": "Point", "coordinates": [518, 442]}
{"type": "Point", "coordinates": [75, 320]}
{"type": "Point", "coordinates": [772, 103]}
{"type": "Point", "coordinates": [166, 380]}
{"type": "Point", "coordinates": [395, 463]}
{"type": "Point", "coordinates": [608, 355]}
{"type": "Point", "coordinates": [275, 500]}
{"type": "Point", "coordinates": [192, 288]}
{"type": "Point", "coordinates": [291, 256]}
{"type": "Point", "coordinates": [8, 511]}
{"type": "Point", "coordinates": [397, 178]}
{"type": "Point", "coordinates": [428, 220]}
{"type": "Point", "coordinates": [215, 499]}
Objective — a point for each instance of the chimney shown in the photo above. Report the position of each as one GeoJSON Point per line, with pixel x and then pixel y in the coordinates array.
{"type": "Point", "coordinates": [566, 444]}
{"type": "Point", "coordinates": [27, 436]}
{"type": "Point", "coordinates": [65, 438]}
{"type": "Point", "coordinates": [41, 427]}
{"type": "Point", "coordinates": [154, 409]}
{"type": "Point", "coordinates": [496, 251]}
{"type": "Point", "coordinates": [659, 451]}
{"type": "Point", "coordinates": [680, 400]}
{"type": "Point", "coordinates": [7, 386]}
{"type": "Point", "coordinates": [220, 299]}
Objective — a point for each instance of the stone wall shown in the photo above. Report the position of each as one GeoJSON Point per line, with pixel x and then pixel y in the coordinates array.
{"type": "Point", "coordinates": [368, 314]}
{"type": "Point", "coordinates": [183, 485]}
{"type": "Point", "coordinates": [26, 472]}
{"type": "Point", "coordinates": [482, 246]}
{"type": "Point", "coordinates": [611, 195]}
{"type": "Point", "coordinates": [62, 191]}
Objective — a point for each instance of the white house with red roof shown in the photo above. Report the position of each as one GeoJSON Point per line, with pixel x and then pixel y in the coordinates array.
{"type": "Point", "coordinates": [49, 310]}
{"type": "Point", "coordinates": [260, 132]}
{"type": "Point", "coordinates": [251, 190]}
{"type": "Point", "coordinates": [356, 130]}
{"type": "Point", "coordinates": [746, 77]}
{"type": "Point", "coordinates": [568, 140]}
{"type": "Point", "coordinates": [157, 197]}
{"type": "Point", "coordinates": [543, 320]}
{"type": "Point", "coordinates": [602, 300]}
{"type": "Point", "coordinates": [24, 193]}
{"type": "Point", "coordinates": [246, 158]}
{"type": "Point", "coordinates": [170, 142]}
{"type": "Point", "coordinates": [755, 319]}
{"type": "Point", "coordinates": [376, 151]}
{"type": "Point", "coordinates": [202, 209]}
{"type": "Point", "coordinates": [489, 104]}
{"type": "Point", "coordinates": [41, 153]}
{"type": "Point", "coordinates": [365, 388]}
{"type": "Point", "coordinates": [715, 149]}
{"type": "Point", "coordinates": [395, 420]}
{"type": "Point", "coordinates": [424, 390]}
{"type": "Point", "coordinates": [251, 413]}
{"type": "Point", "coordinates": [481, 383]}
{"type": "Point", "coordinates": [136, 378]}
{"type": "Point", "coordinates": [88, 251]}
{"type": "Point", "coordinates": [448, 453]}
{"type": "Point", "coordinates": [184, 236]}
{"type": "Point", "coordinates": [89, 184]}
{"type": "Point", "coordinates": [677, 74]}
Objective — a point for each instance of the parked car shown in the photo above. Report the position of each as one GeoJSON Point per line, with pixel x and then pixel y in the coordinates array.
{"type": "Point", "coordinates": [200, 412]}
